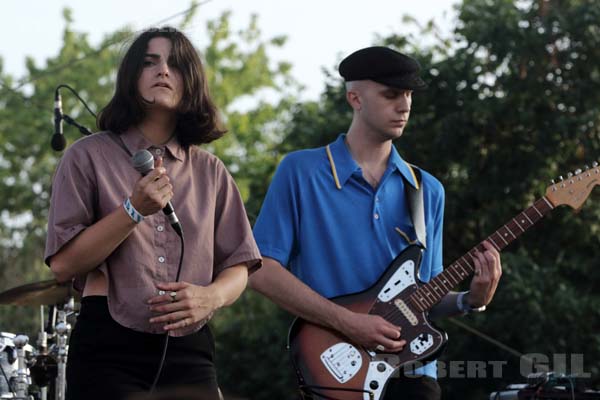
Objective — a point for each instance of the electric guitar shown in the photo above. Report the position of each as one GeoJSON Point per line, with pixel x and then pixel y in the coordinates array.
{"type": "Point", "coordinates": [328, 366]}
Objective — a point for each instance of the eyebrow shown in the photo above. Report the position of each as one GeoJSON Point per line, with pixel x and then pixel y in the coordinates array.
{"type": "Point", "coordinates": [152, 55]}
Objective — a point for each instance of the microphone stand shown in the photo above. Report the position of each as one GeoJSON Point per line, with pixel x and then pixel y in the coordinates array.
{"type": "Point", "coordinates": [72, 122]}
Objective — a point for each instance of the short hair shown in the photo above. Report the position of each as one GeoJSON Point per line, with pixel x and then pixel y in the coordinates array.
{"type": "Point", "coordinates": [198, 118]}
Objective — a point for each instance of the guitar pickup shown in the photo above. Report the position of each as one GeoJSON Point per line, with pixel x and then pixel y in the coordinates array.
{"type": "Point", "coordinates": [408, 314]}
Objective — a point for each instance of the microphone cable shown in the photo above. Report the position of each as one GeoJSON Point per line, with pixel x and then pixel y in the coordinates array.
{"type": "Point", "coordinates": [58, 141]}
{"type": "Point", "coordinates": [166, 343]}
{"type": "Point", "coordinates": [62, 85]}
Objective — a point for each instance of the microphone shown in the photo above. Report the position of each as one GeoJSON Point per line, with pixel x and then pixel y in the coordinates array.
{"type": "Point", "coordinates": [58, 141]}
{"type": "Point", "coordinates": [143, 162]}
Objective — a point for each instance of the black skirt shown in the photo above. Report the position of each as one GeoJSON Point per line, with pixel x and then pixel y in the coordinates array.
{"type": "Point", "coordinates": [109, 361]}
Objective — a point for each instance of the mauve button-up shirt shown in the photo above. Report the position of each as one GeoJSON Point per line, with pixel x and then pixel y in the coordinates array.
{"type": "Point", "coordinates": [96, 175]}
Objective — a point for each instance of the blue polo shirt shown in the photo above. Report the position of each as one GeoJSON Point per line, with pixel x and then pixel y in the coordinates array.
{"type": "Point", "coordinates": [334, 231]}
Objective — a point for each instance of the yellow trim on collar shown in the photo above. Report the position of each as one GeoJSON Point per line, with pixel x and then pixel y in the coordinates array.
{"type": "Point", "coordinates": [333, 170]}
{"type": "Point", "coordinates": [413, 175]}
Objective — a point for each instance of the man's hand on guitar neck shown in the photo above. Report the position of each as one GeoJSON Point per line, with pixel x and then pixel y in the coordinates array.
{"type": "Point", "coordinates": [370, 331]}
{"type": "Point", "coordinates": [488, 270]}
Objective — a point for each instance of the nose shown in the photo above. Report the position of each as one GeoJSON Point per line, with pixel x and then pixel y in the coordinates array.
{"type": "Point", "coordinates": [163, 69]}
{"type": "Point", "coordinates": [403, 104]}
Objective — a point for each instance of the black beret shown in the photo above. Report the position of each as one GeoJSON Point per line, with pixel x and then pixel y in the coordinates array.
{"type": "Point", "coordinates": [383, 65]}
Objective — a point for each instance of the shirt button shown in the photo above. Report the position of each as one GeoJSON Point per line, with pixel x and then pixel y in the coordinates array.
{"type": "Point", "coordinates": [376, 198]}
{"type": "Point", "coordinates": [376, 216]}
{"type": "Point", "coordinates": [158, 152]}
{"type": "Point", "coordinates": [161, 259]}
{"type": "Point", "coordinates": [160, 228]}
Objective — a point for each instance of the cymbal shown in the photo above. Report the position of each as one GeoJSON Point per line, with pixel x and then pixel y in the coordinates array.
{"type": "Point", "coordinates": [48, 292]}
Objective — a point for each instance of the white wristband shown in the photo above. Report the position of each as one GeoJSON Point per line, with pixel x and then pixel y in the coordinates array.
{"type": "Point", "coordinates": [465, 308]}
{"type": "Point", "coordinates": [132, 212]}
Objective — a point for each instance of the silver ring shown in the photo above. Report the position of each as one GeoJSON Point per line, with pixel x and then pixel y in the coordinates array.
{"type": "Point", "coordinates": [161, 292]}
{"type": "Point", "coordinates": [379, 347]}
{"type": "Point", "coordinates": [173, 294]}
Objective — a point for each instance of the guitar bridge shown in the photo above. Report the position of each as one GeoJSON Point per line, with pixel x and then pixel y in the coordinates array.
{"type": "Point", "coordinates": [408, 314]}
{"type": "Point", "coordinates": [342, 360]}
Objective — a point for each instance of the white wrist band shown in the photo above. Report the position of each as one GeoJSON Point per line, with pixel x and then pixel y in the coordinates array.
{"type": "Point", "coordinates": [132, 212]}
{"type": "Point", "coordinates": [465, 308]}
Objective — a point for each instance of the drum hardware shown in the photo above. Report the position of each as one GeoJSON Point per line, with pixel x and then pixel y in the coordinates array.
{"type": "Point", "coordinates": [23, 365]}
{"type": "Point", "coordinates": [63, 328]}
{"type": "Point", "coordinates": [22, 382]}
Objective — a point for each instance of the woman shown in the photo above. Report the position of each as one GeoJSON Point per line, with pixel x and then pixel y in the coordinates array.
{"type": "Point", "coordinates": [107, 232]}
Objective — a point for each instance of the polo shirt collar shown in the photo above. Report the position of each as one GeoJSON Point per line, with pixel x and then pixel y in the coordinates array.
{"type": "Point", "coordinates": [135, 141]}
{"type": "Point", "coordinates": [344, 165]}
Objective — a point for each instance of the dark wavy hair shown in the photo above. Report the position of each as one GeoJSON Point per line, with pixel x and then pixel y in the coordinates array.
{"type": "Point", "coordinates": [197, 117]}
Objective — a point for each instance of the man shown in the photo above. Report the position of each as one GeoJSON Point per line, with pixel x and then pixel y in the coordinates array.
{"type": "Point", "coordinates": [334, 218]}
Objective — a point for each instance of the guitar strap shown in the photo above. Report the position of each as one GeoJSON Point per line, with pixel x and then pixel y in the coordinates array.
{"type": "Point", "coordinates": [415, 206]}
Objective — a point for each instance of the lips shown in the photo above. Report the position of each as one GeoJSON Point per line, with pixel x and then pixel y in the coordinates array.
{"type": "Point", "coordinates": [163, 84]}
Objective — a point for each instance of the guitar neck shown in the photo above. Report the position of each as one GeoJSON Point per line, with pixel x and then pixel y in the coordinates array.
{"type": "Point", "coordinates": [430, 294]}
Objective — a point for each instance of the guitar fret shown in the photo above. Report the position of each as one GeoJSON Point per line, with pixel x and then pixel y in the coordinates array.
{"type": "Point", "coordinates": [452, 278]}
{"type": "Point", "coordinates": [491, 239]}
{"type": "Point", "coordinates": [517, 223]}
{"type": "Point", "coordinates": [525, 214]}
{"type": "Point", "coordinates": [547, 202]}
{"type": "Point", "coordinates": [536, 210]}
{"type": "Point", "coordinates": [500, 236]}
{"type": "Point", "coordinates": [416, 303]}
{"type": "Point", "coordinates": [510, 231]}
{"type": "Point", "coordinates": [443, 281]}
{"type": "Point", "coordinates": [469, 267]}
{"type": "Point", "coordinates": [463, 273]}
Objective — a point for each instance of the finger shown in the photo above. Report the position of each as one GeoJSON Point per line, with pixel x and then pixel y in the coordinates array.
{"type": "Point", "coordinates": [165, 298]}
{"type": "Point", "coordinates": [160, 183]}
{"type": "Point", "coordinates": [477, 265]}
{"type": "Point", "coordinates": [170, 317]}
{"type": "Point", "coordinates": [152, 176]}
{"type": "Point", "coordinates": [179, 324]}
{"type": "Point", "coordinates": [158, 161]}
{"type": "Point", "coordinates": [175, 286]}
{"type": "Point", "coordinates": [391, 345]}
{"type": "Point", "coordinates": [166, 193]}
{"type": "Point", "coordinates": [484, 266]}
{"type": "Point", "coordinates": [391, 331]}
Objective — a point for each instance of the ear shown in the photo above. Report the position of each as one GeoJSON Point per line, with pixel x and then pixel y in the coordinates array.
{"type": "Point", "coordinates": [354, 100]}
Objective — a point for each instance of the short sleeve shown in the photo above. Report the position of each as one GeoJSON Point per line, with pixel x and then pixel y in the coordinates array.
{"type": "Point", "coordinates": [72, 200]}
{"type": "Point", "coordinates": [276, 228]}
{"type": "Point", "coordinates": [234, 242]}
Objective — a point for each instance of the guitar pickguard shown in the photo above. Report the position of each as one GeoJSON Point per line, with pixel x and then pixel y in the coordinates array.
{"type": "Point", "coordinates": [402, 278]}
{"type": "Point", "coordinates": [377, 375]}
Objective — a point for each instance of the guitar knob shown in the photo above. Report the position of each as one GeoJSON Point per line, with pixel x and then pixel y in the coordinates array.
{"type": "Point", "coordinates": [561, 178]}
{"type": "Point", "coordinates": [569, 175]}
{"type": "Point", "coordinates": [594, 164]}
{"type": "Point", "coordinates": [381, 367]}
{"type": "Point", "coordinates": [577, 171]}
{"type": "Point", "coordinates": [374, 385]}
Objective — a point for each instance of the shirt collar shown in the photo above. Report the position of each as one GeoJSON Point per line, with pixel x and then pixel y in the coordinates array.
{"type": "Point", "coordinates": [344, 165]}
{"type": "Point", "coordinates": [135, 141]}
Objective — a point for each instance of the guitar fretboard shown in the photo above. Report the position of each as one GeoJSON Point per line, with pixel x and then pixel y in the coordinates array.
{"type": "Point", "coordinates": [430, 294]}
